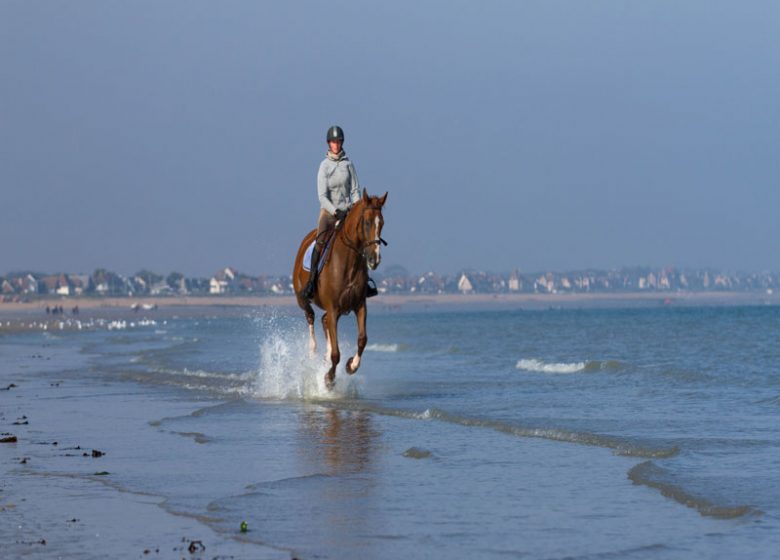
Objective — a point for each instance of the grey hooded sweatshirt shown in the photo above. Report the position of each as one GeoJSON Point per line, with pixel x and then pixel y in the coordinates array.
{"type": "Point", "coordinates": [337, 183]}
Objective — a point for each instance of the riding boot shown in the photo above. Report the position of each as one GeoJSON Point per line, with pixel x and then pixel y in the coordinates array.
{"type": "Point", "coordinates": [308, 290]}
{"type": "Point", "coordinates": [371, 290]}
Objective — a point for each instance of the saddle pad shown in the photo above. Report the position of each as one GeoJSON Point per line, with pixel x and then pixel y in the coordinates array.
{"type": "Point", "coordinates": [323, 257]}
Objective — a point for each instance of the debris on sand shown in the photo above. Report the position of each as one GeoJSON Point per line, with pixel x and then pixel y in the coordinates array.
{"type": "Point", "coordinates": [11, 386]}
{"type": "Point", "coordinates": [8, 439]}
{"type": "Point", "coordinates": [416, 453]}
{"type": "Point", "coordinates": [42, 541]}
{"type": "Point", "coordinates": [196, 546]}
{"type": "Point", "coordinates": [97, 453]}
{"type": "Point", "coordinates": [102, 473]}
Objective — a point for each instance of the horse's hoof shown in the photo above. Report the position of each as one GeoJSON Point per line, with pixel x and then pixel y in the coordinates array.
{"type": "Point", "coordinates": [349, 367]}
{"type": "Point", "coordinates": [330, 382]}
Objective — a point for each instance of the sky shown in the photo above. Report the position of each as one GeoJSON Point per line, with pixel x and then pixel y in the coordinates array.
{"type": "Point", "coordinates": [537, 135]}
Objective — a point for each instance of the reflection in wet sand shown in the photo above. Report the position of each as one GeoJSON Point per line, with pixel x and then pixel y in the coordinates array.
{"type": "Point", "coordinates": [338, 441]}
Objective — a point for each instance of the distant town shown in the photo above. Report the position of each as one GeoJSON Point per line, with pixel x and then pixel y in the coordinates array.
{"type": "Point", "coordinates": [26, 286]}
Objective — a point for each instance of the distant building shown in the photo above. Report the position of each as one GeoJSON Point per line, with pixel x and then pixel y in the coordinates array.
{"type": "Point", "coordinates": [222, 281]}
{"type": "Point", "coordinates": [80, 283]}
{"type": "Point", "coordinates": [63, 285]}
{"type": "Point", "coordinates": [515, 284]}
{"type": "Point", "coordinates": [28, 284]}
{"type": "Point", "coordinates": [217, 286]}
{"type": "Point", "coordinates": [464, 284]}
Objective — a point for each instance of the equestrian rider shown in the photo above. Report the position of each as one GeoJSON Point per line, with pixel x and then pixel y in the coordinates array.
{"type": "Point", "coordinates": [338, 190]}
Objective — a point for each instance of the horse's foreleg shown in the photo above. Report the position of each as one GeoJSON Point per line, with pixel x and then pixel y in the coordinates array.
{"type": "Point", "coordinates": [333, 344]}
{"type": "Point", "coordinates": [327, 336]}
{"type": "Point", "coordinates": [312, 339]}
{"type": "Point", "coordinates": [354, 362]}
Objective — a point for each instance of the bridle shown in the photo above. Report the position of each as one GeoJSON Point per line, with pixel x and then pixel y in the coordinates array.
{"type": "Point", "coordinates": [366, 244]}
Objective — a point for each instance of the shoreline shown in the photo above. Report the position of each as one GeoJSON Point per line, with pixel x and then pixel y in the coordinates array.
{"type": "Point", "coordinates": [401, 301]}
{"type": "Point", "coordinates": [66, 488]}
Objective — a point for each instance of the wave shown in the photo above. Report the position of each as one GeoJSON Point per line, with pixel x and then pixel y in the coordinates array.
{"type": "Point", "coordinates": [571, 367]}
{"type": "Point", "coordinates": [203, 374]}
{"type": "Point", "coordinates": [383, 347]}
{"type": "Point", "coordinates": [620, 446]}
{"type": "Point", "coordinates": [228, 384]}
{"type": "Point", "coordinates": [542, 367]}
{"type": "Point", "coordinates": [70, 324]}
{"type": "Point", "coordinates": [651, 475]}
{"type": "Point", "coordinates": [770, 400]}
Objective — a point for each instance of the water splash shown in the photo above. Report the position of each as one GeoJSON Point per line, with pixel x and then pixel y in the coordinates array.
{"type": "Point", "coordinates": [287, 371]}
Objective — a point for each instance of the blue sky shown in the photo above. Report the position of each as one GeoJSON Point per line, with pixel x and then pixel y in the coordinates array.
{"type": "Point", "coordinates": [533, 135]}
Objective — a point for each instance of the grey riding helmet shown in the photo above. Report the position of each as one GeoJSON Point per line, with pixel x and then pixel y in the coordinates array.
{"type": "Point", "coordinates": [335, 133]}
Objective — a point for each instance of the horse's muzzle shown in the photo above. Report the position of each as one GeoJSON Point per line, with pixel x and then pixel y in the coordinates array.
{"type": "Point", "coordinates": [373, 257]}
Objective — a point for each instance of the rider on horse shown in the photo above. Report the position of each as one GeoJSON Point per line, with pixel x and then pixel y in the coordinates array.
{"type": "Point", "coordinates": [338, 190]}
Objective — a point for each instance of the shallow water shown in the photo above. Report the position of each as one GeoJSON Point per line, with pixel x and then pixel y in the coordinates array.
{"type": "Point", "coordinates": [642, 433]}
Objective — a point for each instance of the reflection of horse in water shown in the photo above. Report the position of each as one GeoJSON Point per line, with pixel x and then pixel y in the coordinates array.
{"type": "Point", "coordinates": [342, 283]}
{"type": "Point", "coordinates": [339, 441]}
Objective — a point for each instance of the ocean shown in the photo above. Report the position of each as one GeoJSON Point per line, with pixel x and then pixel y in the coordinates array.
{"type": "Point", "coordinates": [593, 433]}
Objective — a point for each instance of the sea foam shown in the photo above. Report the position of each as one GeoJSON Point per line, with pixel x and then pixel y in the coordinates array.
{"type": "Point", "coordinates": [570, 367]}
{"type": "Point", "coordinates": [542, 367]}
{"type": "Point", "coordinates": [383, 347]}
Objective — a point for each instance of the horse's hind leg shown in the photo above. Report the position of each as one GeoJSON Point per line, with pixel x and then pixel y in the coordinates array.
{"type": "Point", "coordinates": [354, 362]}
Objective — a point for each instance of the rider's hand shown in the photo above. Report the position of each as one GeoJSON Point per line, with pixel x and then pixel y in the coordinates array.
{"type": "Point", "coordinates": [340, 215]}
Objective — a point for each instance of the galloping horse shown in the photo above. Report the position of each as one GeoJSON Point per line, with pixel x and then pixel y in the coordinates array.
{"type": "Point", "coordinates": [342, 283]}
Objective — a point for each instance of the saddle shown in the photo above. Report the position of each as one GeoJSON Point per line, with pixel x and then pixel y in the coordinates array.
{"type": "Point", "coordinates": [329, 236]}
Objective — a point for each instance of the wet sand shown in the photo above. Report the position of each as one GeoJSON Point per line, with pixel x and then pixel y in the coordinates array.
{"type": "Point", "coordinates": [397, 301]}
{"type": "Point", "coordinates": [58, 498]}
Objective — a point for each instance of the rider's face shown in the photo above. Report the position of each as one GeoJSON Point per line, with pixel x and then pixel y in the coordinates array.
{"type": "Point", "coordinates": [335, 146]}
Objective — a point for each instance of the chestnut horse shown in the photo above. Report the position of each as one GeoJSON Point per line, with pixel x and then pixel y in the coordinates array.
{"type": "Point", "coordinates": [342, 283]}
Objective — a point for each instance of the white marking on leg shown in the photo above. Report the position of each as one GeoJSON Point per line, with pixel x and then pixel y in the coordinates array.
{"type": "Point", "coordinates": [355, 362]}
{"type": "Point", "coordinates": [330, 348]}
{"type": "Point", "coordinates": [312, 340]}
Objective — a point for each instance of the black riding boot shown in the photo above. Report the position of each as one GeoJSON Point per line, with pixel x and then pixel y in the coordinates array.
{"type": "Point", "coordinates": [371, 290]}
{"type": "Point", "coordinates": [308, 290]}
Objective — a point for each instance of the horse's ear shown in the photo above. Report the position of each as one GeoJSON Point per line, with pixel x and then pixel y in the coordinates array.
{"type": "Point", "coordinates": [365, 196]}
{"type": "Point", "coordinates": [382, 200]}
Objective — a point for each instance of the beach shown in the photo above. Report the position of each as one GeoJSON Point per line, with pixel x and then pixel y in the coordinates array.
{"type": "Point", "coordinates": [550, 432]}
{"type": "Point", "coordinates": [412, 301]}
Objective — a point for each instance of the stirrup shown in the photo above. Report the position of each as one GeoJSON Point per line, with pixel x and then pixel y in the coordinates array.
{"type": "Point", "coordinates": [371, 290]}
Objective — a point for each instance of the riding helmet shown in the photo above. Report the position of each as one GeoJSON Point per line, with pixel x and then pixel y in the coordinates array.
{"type": "Point", "coordinates": [335, 133]}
